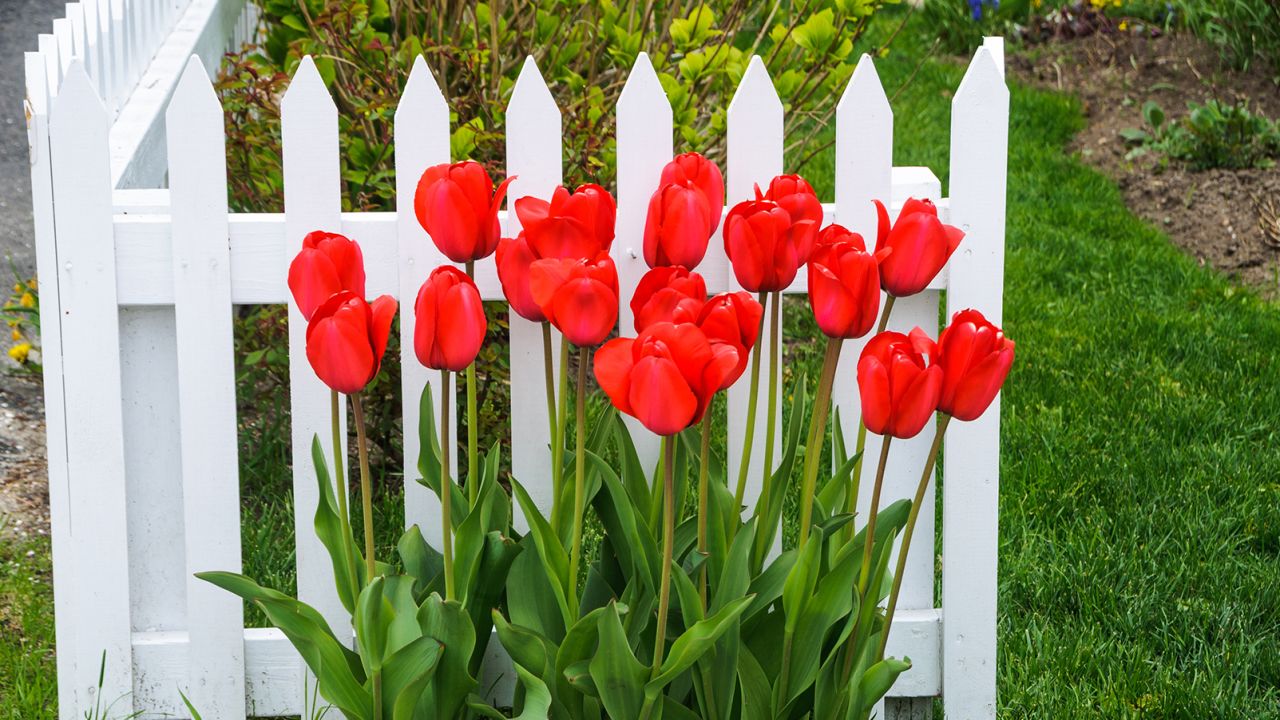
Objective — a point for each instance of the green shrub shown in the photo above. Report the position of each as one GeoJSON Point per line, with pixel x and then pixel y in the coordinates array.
{"type": "Point", "coordinates": [1212, 135]}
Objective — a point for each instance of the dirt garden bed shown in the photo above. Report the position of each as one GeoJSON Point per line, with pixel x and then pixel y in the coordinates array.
{"type": "Point", "coordinates": [1218, 215]}
{"type": "Point", "coordinates": [24, 496]}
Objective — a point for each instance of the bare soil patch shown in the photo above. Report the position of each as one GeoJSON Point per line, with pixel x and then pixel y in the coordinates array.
{"type": "Point", "coordinates": [1217, 216]}
{"type": "Point", "coordinates": [24, 491]}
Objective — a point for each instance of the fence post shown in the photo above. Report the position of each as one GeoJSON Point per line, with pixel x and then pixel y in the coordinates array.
{"type": "Point", "coordinates": [98, 553]}
{"type": "Point", "coordinates": [971, 493]}
{"type": "Point", "coordinates": [421, 140]}
{"type": "Point", "coordinates": [754, 155]}
{"type": "Point", "coordinates": [644, 148]}
{"type": "Point", "coordinates": [534, 158]}
{"type": "Point", "coordinates": [309, 133]}
{"type": "Point", "coordinates": [207, 411]}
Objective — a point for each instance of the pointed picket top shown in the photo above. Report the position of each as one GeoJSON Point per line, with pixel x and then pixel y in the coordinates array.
{"type": "Point", "coordinates": [307, 88]}
{"type": "Point", "coordinates": [422, 95]}
{"type": "Point", "coordinates": [864, 150]}
{"type": "Point", "coordinates": [982, 82]}
{"type": "Point", "coordinates": [756, 89]}
{"type": "Point", "coordinates": [75, 94]}
{"type": "Point", "coordinates": [754, 121]}
{"type": "Point", "coordinates": [643, 86]}
{"type": "Point", "coordinates": [194, 89]}
{"type": "Point", "coordinates": [531, 94]}
{"type": "Point", "coordinates": [534, 142]}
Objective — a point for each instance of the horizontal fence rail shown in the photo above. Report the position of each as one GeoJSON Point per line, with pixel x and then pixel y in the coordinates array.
{"type": "Point", "coordinates": [140, 374]}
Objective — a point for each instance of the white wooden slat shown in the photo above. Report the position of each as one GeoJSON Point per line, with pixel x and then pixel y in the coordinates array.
{"type": "Point", "coordinates": [309, 129]}
{"type": "Point", "coordinates": [206, 369]}
{"type": "Point", "coordinates": [534, 158]}
{"type": "Point", "coordinates": [755, 143]}
{"type": "Point", "coordinates": [66, 46]}
{"type": "Point", "coordinates": [47, 46]}
{"type": "Point", "coordinates": [98, 549]}
{"type": "Point", "coordinates": [75, 13]}
{"type": "Point", "coordinates": [119, 54]}
{"type": "Point", "coordinates": [979, 173]}
{"type": "Point", "coordinates": [421, 140]}
{"type": "Point", "coordinates": [51, 360]}
{"type": "Point", "coordinates": [645, 146]}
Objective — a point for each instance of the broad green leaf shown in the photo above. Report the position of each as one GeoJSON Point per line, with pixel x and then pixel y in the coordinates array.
{"type": "Point", "coordinates": [755, 701]}
{"type": "Point", "coordinates": [421, 561]}
{"type": "Point", "coordinates": [449, 623]}
{"type": "Point", "coordinates": [537, 697]}
{"type": "Point", "coordinates": [877, 680]}
{"type": "Point", "coordinates": [372, 624]}
{"type": "Point", "coordinates": [694, 642]}
{"type": "Point", "coordinates": [406, 674]}
{"type": "Point", "coordinates": [619, 678]}
{"type": "Point", "coordinates": [690, 605]}
{"type": "Point", "coordinates": [348, 565]}
{"type": "Point", "coordinates": [624, 524]}
{"type": "Point", "coordinates": [554, 558]}
{"type": "Point", "coordinates": [429, 458]}
{"type": "Point", "coordinates": [535, 606]}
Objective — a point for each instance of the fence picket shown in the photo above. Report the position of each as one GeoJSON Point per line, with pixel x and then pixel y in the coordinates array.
{"type": "Point", "coordinates": [99, 550]}
{"type": "Point", "coordinates": [421, 140]}
{"type": "Point", "coordinates": [309, 130]}
{"type": "Point", "coordinates": [970, 531]}
{"type": "Point", "coordinates": [534, 159]}
{"type": "Point", "coordinates": [645, 146]}
{"type": "Point", "coordinates": [210, 472]}
{"type": "Point", "coordinates": [754, 121]}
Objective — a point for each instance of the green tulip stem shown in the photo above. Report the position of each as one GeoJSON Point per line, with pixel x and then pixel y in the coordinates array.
{"type": "Point", "coordinates": [749, 438]}
{"type": "Point", "coordinates": [668, 542]}
{"type": "Point", "coordinates": [339, 473]}
{"type": "Point", "coordinates": [817, 432]}
{"type": "Point", "coordinates": [446, 489]}
{"type": "Point", "coordinates": [871, 517]}
{"type": "Point", "coordinates": [579, 478]}
{"type": "Point", "coordinates": [366, 499]}
{"type": "Point", "coordinates": [704, 499]}
{"type": "Point", "coordinates": [550, 373]}
{"type": "Point", "coordinates": [771, 423]}
{"type": "Point", "coordinates": [557, 449]}
{"type": "Point", "coordinates": [473, 429]}
{"type": "Point", "coordinates": [906, 533]}
{"type": "Point", "coordinates": [852, 501]}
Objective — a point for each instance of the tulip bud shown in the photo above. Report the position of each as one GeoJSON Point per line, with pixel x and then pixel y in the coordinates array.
{"type": "Point", "coordinates": [346, 338]}
{"type": "Point", "coordinates": [327, 263]}
{"type": "Point", "coordinates": [574, 226]}
{"type": "Point", "coordinates": [514, 259]}
{"type": "Point", "coordinates": [458, 207]}
{"type": "Point", "coordinates": [899, 391]}
{"type": "Point", "coordinates": [668, 294]}
{"type": "Point", "coordinates": [579, 297]}
{"type": "Point", "coordinates": [918, 244]}
{"type": "Point", "coordinates": [678, 226]}
{"type": "Point", "coordinates": [704, 175]}
{"type": "Point", "coordinates": [975, 357]}
{"type": "Point", "coordinates": [765, 245]}
{"type": "Point", "coordinates": [795, 195]}
{"type": "Point", "coordinates": [844, 284]}
{"type": "Point", "coordinates": [449, 323]}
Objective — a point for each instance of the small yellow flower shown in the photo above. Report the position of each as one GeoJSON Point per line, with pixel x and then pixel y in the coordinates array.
{"type": "Point", "coordinates": [20, 352]}
{"type": "Point", "coordinates": [17, 334]}
{"type": "Point", "coordinates": [27, 300]}
{"type": "Point", "coordinates": [17, 288]}
{"type": "Point", "coordinates": [1124, 25]}
{"type": "Point", "coordinates": [31, 283]}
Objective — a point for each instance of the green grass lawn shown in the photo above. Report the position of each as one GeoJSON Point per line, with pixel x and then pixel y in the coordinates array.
{"type": "Point", "coordinates": [1140, 504]}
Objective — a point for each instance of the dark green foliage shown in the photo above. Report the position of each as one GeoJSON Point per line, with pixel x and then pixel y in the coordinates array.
{"type": "Point", "coordinates": [1212, 135]}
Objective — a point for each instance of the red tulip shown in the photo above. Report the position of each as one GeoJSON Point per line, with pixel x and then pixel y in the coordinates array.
{"type": "Point", "coordinates": [975, 357]}
{"type": "Point", "coordinates": [704, 175]}
{"type": "Point", "coordinates": [346, 339]}
{"type": "Point", "coordinates": [678, 226]}
{"type": "Point", "coordinates": [450, 323]}
{"type": "Point", "coordinates": [326, 264]}
{"type": "Point", "coordinates": [844, 284]}
{"type": "Point", "coordinates": [899, 391]}
{"type": "Point", "coordinates": [573, 226]}
{"type": "Point", "coordinates": [458, 207]}
{"type": "Point", "coordinates": [514, 259]}
{"type": "Point", "coordinates": [765, 246]}
{"type": "Point", "coordinates": [796, 196]}
{"type": "Point", "coordinates": [732, 318]}
{"type": "Point", "coordinates": [668, 294]}
{"type": "Point", "coordinates": [919, 246]}
{"type": "Point", "coordinates": [666, 377]}
{"type": "Point", "coordinates": [579, 297]}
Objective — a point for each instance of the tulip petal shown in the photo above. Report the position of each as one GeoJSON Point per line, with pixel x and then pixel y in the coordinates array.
{"type": "Point", "coordinates": [660, 397]}
{"type": "Point", "coordinates": [612, 366]}
{"type": "Point", "coordinates": [461, 326]}
{"type": "Point", "coordinates": [585, 311]}
{"type": "Point", "coordinates": [383, 311]}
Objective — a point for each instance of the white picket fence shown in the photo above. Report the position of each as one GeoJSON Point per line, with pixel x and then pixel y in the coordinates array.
{"type": "Point", "coordinates": [137, 294]}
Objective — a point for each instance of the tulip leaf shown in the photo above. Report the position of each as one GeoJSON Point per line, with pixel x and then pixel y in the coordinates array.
{"type": "Point", "coordinates": [618, 676]}
{"type": "Point", "coordinates": [735, 579]}
{"type": "Point", "coordinates": [447, 621]}
{"type": "Point", "coordinates": [756, 703]}
{"type": "Point", "coordinates": [772, 497]}
{"type": "Point", "coordinates": [877, 680]}
{"type": "Point", "coordinates": [422, 562]}
{"type": "Point", "coordinates": [690, 604]}
{"type": "Point", "coordinates": [348, 565]}
{"type": "Point", "coordinates": [372, 625]}
{"type": "Point", "coordinates": [767, 586]}
{"type": "Point", "coordinates": [537, 697]}
{"type": "Point", "coordinates": [554, 558]}
{"type": "Point", "coordinates": [406, 675]}
{"type": "Point", "coordinates": [429, 458]}
{"type": "Point", "coordinates": [623, 522]}
{"type": "Point", "coordinates": [535, 606]}
{"type": "Point", "coordinates": [487, 588]}
{"type": "Point", "coordinates": [695, 642]}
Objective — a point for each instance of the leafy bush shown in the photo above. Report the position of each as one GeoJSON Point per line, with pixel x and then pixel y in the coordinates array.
{"type": "Point", "coordinates": [1212, 135]}
{"type": "Point", "coordinates": [961, 24]}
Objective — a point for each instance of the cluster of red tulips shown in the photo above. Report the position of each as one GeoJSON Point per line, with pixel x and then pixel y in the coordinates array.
{"type": "Point", "coordinates": [687, 346]}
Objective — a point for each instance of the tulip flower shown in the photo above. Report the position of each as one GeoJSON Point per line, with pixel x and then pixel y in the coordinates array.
{"type": "Point", "coordinates": [796, 196]}
{"type": "Point", "coordinates": [732, 318]}
{"type": "Point", "coordinates": [765, 245]}
{"type": "Point", "coordinates": [844, 284]}
{"type": "Point", "coordinates": [514, 258]}
{"type": "Point", "coordinates": [899, 390]}
{"type": "Point", "coordinates": [678, 225]}
{"type": "Point", "coordinates": [328, 263]}
{"type": "Point", "coordinates": [919, 243]}
{"type": "Point", "coordinates": [666, 377]}
{"type": "Point", "coordinates": [458, 207]}
{"type": "Point", "coordinates": [346, 338]}
{"type": "Point", "coordinates": [579, 297]}
{"type": "Point", "coordinates": [573, 226]}
{"type": "Point", "coordinates": [704, 175]}
{"type": "Point", "coordinates": [975, 357]}
{"type": "Point", "coordinates": [450, 323]}
{"type": "Point", "coordinates": [668, 294]}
